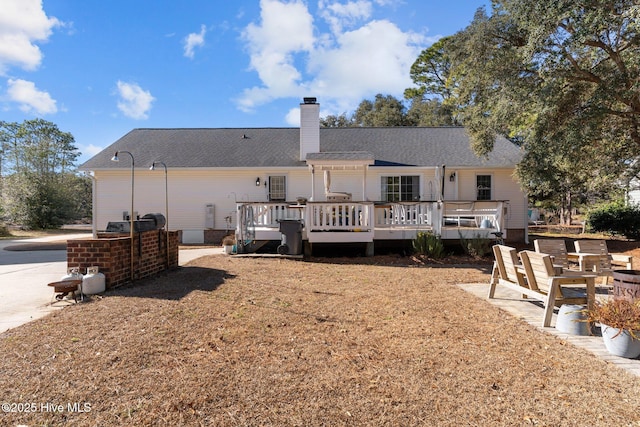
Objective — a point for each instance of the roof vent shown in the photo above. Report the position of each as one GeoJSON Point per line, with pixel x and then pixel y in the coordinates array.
{"type": "Point", "coordinates": [309, 100]}
{"type": "Point", "coordinates": [244, 136]}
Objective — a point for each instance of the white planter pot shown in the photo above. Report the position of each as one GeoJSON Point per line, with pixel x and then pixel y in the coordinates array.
{"type": "Point", "coordinates": [228, 249]}
{"type": "Point", "coordinates": [572, 319]}
{"type": "Point", "coordinates": [620, 344]}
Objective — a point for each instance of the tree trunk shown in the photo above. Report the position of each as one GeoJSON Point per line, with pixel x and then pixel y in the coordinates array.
{"type": "Point", "coordinates": [565, 209]}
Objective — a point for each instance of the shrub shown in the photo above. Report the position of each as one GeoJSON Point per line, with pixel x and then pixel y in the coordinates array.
{"type": "Point", "coordinates": [429, 244]}
{"type": "Point", "coordinates": [615, 219]}
{"type": "Point", "coordinates": [229, 240]}
{"type": "Point", "coordinates": [478, 246]}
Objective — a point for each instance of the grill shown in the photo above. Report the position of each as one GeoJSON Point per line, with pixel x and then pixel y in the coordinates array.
{"type": "Point", "coordinates": [150, 221]}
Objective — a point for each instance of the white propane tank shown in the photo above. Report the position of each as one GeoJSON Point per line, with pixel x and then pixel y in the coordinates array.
{"type": "Point", "coordinates": [73, 273]}
{"type": "Point", "coordinates": [93, 282]}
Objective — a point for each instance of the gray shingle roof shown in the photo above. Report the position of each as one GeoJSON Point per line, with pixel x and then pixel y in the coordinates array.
{"type": "Point", "coordinates": [279, 147]}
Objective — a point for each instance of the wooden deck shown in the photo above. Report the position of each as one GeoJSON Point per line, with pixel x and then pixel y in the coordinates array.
{"type": "Point", "coordinates": [365, 222]}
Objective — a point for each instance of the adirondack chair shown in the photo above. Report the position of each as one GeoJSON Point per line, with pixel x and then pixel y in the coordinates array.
{"type": "Point", "coordinates": [555, 290]}
{"type": "Point", "coordinates": [604, 264]}
{"type": "Point", "coordinates": [557, 248]}
{"type": "Point", "coordinates": [505, 270]}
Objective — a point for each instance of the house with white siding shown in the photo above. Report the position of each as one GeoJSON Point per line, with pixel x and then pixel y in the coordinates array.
{"type": "Point", "coordinates": [342, 185]}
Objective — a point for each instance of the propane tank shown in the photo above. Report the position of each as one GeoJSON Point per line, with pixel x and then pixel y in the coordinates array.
{"type": "Point", "coordinates": [93, 282]}
{"type": "Point", "coordinates": [73, 273]}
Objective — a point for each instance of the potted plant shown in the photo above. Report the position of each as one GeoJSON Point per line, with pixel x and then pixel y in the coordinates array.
{"type": "Point", "coordinates": [228, 242]}
{"type": "Point", "coordinates": [619, 321]}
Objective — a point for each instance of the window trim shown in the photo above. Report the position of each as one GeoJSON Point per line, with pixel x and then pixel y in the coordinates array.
{"type": "Point", "coordinates": [415, 185]}
{"type": "Point", "coordinates": [284, 183]}
{"type": "Point", "coordinates": [489, 189]}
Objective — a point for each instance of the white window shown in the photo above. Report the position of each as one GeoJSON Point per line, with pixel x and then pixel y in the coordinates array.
{"type": "Point", "coordinates": [277, 188]}
{"type": "Point", "coordinates": [401, 188]}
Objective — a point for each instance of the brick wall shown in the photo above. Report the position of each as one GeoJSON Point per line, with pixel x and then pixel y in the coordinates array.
{"type": "Point", "coordinates": [110, 253]}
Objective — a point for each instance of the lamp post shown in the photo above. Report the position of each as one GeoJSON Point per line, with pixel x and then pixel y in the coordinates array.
{"type": "Point", "coordinates": [166, 203]}
{"type": "Point", "coordinates": [131, 234]}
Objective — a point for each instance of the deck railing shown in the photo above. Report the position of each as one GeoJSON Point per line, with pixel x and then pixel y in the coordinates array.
{"type": "Point", "coordinates": [475, 214]}
{"type": "Point", "coordinates": [404, 214]}
{"type": "Point", "coordinates": [366, 216]}
{"type": "Point", "coordinates": [341, 216]}
{"type": "Point", "coordinates": [267, 214]}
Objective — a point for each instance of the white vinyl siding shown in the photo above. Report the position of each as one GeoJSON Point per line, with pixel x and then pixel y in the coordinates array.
{"type": "Point", "coordinates": [191, 190]}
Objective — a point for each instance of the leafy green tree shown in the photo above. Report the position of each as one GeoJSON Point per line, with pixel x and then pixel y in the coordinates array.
{"type": "Point", "coordinates": [341, 121]}
{"type": "Point", "coordinates": [430, 112]}
{"type": "Point", "coordinates": [560, 78]}
{"type": "Point", "coordinates": [432, 100]}
{"type": "Point", "coordinates": [35, 201]}
{"type": "Point", "coordinates": [568, 59]}
{"type": "Point", "coordinates": [41, 188]}
{"type": "Point", "coordinates": [431, 72]}
{"type": "Point", "coordinates": [383, 111]}
{"type": "Point", "coordinates": [8, 142]}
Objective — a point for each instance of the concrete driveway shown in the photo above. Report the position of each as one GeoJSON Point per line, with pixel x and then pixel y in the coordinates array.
{"type": "Point", "coordinates": [25, 270]}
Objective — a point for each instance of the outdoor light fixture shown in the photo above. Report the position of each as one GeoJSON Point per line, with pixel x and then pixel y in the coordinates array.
{"type": "Point", "coordinates": [116, 159]}
{"type": "Point", "coordinates": [166, 203]}
{"type": "Point", "coordinates": [258, 182]}
{"type": "Point", "coordinates": [452, 177]}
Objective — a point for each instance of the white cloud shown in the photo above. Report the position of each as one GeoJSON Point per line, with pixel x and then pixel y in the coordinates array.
{"type": "Point", "coordinates": [134, 101]}
{"type": "Point", "coordinates": [286, 29]}
{"type": "Point", "coordinates": [194, 40]}
{"type": "Point", "coordinates": [340, 15]}
{"type": "Point", "coordinates": [30, 98]}
{"type": "Point", "coordinates": [90, 150]}
{"type": "Point", "coordinates": [356, 58]}
{"type": "Point", "coordinates": [293, 117]}
{"type": "Point", "coordinates": [376, 58]}
{"type": "Point", "coordinates": [22, 24]}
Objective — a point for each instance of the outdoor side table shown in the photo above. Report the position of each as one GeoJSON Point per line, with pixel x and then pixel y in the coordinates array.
{"type": "Point", "coordinates": [584, 259]}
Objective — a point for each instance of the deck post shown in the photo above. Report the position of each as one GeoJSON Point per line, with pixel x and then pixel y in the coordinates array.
{"type": "Point", "coordinates": [369, 250]}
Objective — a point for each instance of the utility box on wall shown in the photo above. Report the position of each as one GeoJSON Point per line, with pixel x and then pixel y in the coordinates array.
{"type": "Point", "coordinates": [209, 219]}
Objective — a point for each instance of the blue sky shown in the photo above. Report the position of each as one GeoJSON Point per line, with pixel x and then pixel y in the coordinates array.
{"type": "Point", "coordinates": [100, 68]}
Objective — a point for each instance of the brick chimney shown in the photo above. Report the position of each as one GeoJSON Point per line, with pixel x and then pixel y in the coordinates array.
{"type": "Point", "coordinates": [309, 127]}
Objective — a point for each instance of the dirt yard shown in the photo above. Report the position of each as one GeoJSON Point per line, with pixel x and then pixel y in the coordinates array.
{"type": "Point", "coordinates": [381, 341]}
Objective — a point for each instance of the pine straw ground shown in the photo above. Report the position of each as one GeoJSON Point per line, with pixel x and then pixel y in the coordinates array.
{"type": "Point", "coordinates": [363, 341]}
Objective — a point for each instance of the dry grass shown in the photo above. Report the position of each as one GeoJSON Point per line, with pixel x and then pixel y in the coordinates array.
{"type": "Point", "coordinates": [363, 341]}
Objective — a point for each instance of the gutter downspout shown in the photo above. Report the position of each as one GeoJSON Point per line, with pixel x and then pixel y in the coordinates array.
{"type": "Point", "coordinates": [443, 170]}
{"type": "Point", "coordinates": [313, 183]}
{"type": "Point", "coordinates": [364, 184]}
{"type": "Point", "coordinates": [94, 205]}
